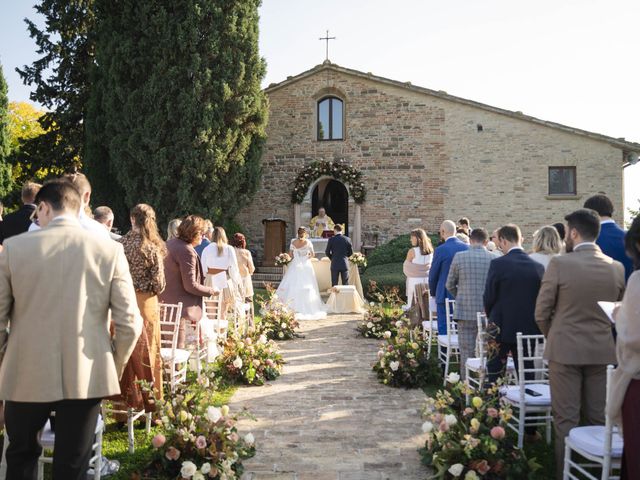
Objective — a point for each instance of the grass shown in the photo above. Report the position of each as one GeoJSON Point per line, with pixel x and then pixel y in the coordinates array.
{"type": "Point", "coordinates": [386, 275]}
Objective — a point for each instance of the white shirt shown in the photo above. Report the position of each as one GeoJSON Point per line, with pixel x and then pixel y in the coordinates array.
{"type": "Point", "coordinates": [91, 225]}
{"type": "Point", "coordinates": [226, 261]}
{"type": "Point", "coordinates": [583, 243]}
{"type": "Point", "coordinates": [609, 220]}
{"type": "Point", "coordinates": [515, 248]}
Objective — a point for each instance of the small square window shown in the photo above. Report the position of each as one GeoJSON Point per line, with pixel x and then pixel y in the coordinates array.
{"type": "Point", "coordinates": [562, 181]}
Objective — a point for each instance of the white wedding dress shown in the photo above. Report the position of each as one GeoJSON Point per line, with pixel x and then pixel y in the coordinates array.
{"type": "Point", "coordinates": [299, 287]}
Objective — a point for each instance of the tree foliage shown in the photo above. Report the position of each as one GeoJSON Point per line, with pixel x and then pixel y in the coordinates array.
{"type": "Point", "coordinates": [176, 116]}
{"type": "Point", "coordinates": [60, 81]}
{"type": "Point", "coordinates": [5, 168]}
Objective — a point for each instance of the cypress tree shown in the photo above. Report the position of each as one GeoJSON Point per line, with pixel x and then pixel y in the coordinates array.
{"type": "Point", "coordinates": [5, 168]}
{"type": "Point", "coordinates": [60, 81]}
{"type": "Point", "coordinates": [177, 116]}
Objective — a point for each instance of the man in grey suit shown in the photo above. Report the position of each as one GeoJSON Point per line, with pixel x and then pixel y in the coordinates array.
{"type": "Point", "coordinates": [466, 282]}
{"type": "Point", "coordinates": [579, 339]}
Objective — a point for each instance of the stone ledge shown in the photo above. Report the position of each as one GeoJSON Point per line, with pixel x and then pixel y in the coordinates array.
{"type": "Point", "coordinates": [563, 197]}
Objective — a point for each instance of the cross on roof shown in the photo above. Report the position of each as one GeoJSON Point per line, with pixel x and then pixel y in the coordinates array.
{"type": "Point", "coordinates": [327, 38]}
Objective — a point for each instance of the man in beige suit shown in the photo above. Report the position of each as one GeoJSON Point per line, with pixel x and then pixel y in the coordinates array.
{"type": "Point", "coordinates": [57, 286]}
{"type": "Point", "coordinates": [579, 338]}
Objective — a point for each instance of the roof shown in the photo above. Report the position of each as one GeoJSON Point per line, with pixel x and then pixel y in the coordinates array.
{"type": "Point", "coordinates": [620, 143]}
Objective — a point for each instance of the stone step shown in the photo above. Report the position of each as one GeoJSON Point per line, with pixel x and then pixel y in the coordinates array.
{"type": "Point", "coordinates": [267, 277]}
{"type": "Point", "coordinates": [271, 270]}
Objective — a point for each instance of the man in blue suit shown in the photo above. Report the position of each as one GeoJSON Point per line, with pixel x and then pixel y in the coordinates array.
{"type": "Point", "coordinates": [442, 258]}
{"type": "Point", "coordinates": [611, 238]}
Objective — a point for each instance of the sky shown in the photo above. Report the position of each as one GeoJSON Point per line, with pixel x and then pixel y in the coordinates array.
{"type": "Point", "coordinates": [569, 61]}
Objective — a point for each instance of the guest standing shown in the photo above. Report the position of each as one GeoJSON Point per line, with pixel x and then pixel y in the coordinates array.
{"type": "Point", "coordinates": [20, 220]}
{"type": "Point", "coordinates": [81, 182]}
{"type": "Point", "coordinates": [579, 339]}
{"type": "Point", "coordinates": [418, 262]}
{"type": "Point", "coordinates": [546, 244]}
{"type": "Point", "coordinates": [220, 265]}
{"type": "Point", "coordinates": [104, 216]}
{"type": "Point", "coordinates": [145, 252]}
{"type": "Point", "coordinates": [172, 228]}
{"type": "Point", "coordinates": [183, 274]}
{"type": "Point", "coordinates": [206, 237]}
{"type": "Point", "coordinates": [57, 287]}
{"type": "Point", "coordinates": [624, 404]}
{"type": "Point", "coordinates": [513, 282]}
{"type": "Point", "coordinates": [611, 238]}
{"type": "Point", "coordinates": [245, 264]}
{"type": "Point", "coordinates": [466, 282]}
{"type": "Point", "coordinates": [442, 258]}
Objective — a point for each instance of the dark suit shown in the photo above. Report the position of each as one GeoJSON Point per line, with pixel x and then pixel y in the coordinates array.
{"type": "Point", "coordinates": [339, 250]}
{"type": "Point", "coordinates": [16, 223]}
{"type": "Point", "coordinates": [611, 242]}
{"type": "Point", "coordinates": [510, 297]}
{"type": "Point", "coordinates": [442, 258]}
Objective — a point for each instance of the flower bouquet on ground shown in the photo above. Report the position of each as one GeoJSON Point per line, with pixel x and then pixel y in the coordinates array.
{"type": "Point", "coordinates": [283, 260]}
{"type": "Point", "coordinates": [382, 315]}
{"type": "Point", "coordinates": [278, 320]}
{"type": "Point", "coordinates": [251, 359]}
{"type": "Point", "coordinates": [471, 443]}
{"type": "Point", "coordinates": [358, 259]}
{"type": "Point", "coordinates": [199, 441]}
{"type": "Point", "coordinates": [402, 359]}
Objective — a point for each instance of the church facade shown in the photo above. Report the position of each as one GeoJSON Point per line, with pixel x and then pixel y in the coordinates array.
{"type": "Point", "coordinates": [421, 156]}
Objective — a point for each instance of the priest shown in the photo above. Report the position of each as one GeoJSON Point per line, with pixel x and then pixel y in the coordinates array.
{"type": "Point", "coordinates": [321, 222]}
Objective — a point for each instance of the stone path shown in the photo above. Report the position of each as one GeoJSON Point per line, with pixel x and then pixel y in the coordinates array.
{"type": "Point", "coordinates": [327, 417]}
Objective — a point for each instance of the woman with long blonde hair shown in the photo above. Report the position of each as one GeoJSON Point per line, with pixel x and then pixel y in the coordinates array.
{"type": "Point", "coordinates": [220, 265]}
{"type": "Point", "coordinates": [418, 262]}
{"type": "Point", "coordinates": [546, 244]}
{"type": "Point", "coordinates": [145, 252]}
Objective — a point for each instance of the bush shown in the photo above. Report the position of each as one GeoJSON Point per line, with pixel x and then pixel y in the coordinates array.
{"type": "Point", "coordinates": [386, 276]}
{"type": "Point", "coordinates": [395, 251]}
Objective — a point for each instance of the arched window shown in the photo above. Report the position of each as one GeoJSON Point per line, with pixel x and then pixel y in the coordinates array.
{"type": "Point", "coordinates": [330, 119]}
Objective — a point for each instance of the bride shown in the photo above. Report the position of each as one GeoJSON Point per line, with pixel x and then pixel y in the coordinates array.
{"type": "Point", "coordinates": [299, 287]}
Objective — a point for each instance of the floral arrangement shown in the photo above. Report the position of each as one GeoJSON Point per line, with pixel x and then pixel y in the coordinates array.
{"type": "Point", "coordinates": [338, 170]}
{"type": "Point", "coordinates": [358, 259]}
{"type": "Point", "coordinates": [251, 359]}
{"type": "Point", "coordinates": [471, 442]}
{"type": "Point", "coordinates": [383, 315]}
{"type": "Point", "coordinates": [402, 359]}
{"type": "Point", "coordinates": [199, 441]}
{"type": "Point", "coordinates": [278, 320]}
{"type": "Point", "coordinates": [283, 260]}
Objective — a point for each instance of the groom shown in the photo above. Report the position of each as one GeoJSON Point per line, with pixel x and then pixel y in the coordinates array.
{"type": "Point", "coordinates": [339, 250]}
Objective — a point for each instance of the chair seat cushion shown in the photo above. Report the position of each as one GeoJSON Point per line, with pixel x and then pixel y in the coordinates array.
{"type": "Point", "coordinates": [591, 440]}
{"type": "Point", "coordinates": [430, 325]}
{"type": "Point", "coordinates": [181, 355]}
{"type": "Point", "coordinates": [512, 393]}
{"type": "Point", "coordinates": [444, 340]}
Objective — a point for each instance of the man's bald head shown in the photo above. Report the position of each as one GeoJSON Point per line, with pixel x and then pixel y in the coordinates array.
{"type": "Point", "coordinates": [447, 229]}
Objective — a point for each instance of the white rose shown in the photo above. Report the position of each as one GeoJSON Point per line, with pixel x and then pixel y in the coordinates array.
{"type": "Point", "coordinates": [369, 325]}
{"type": "Point", "coordinates": [213, 414]}
{"type": "Point", "coordinates": [205, 468]}
{"type": "Point", "coordinates": [387, 334]}
{"type": "Point", "coordinates": [283, 325]}
{"type": "Point", "coordinates": [394, 366]}
{"type": "Point", "coordinates": [237, 362]}
{"type": "Point", "coordinates": [188, 469]}
{"type": "Point", "coordinates": [456, 470]}
{"type": "Point", "coordinates": [372, 303]}
{"type": "Point", "coordinates": [471, 475]}
{"type": "Point", "coordinates": [249, 439]}
{"type": "Point", "coordinates": [427, 427]}
{"type": "Point", "coordinates": [450, 419]}
{"type": "Point", "coordinates": [262, 339]}
{"type": "Point", "coordinates": [453, 377]}
{"type": "Point", "coordinates": [198, 476]}
{"type": "Point", "coordinates": [399, 324]}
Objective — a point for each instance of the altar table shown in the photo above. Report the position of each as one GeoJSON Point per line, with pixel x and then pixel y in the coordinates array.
{"type": "Point", "coordinates": [322, 268]}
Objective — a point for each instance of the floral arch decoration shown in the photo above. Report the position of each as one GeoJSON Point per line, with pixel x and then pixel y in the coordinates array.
{"type": "Point", "coordinates": [338, 170]}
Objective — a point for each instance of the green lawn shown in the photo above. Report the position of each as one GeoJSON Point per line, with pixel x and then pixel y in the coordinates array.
{"type": "Point", "coordinates": [385, 275]}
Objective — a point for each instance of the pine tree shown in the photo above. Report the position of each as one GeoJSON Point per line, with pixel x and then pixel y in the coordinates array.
{"type": "Point", "coordinates": [5, 168]}
{"type": "Point", "coordinates": [177, 116]}
{"type": "Point", "coordinates": [60, 81]}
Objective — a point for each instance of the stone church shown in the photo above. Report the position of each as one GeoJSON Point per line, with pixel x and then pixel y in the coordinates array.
{"type": "Point", "coordinates": [420, 156]}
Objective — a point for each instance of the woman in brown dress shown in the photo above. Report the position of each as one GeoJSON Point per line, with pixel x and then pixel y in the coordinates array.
{"type": "Point", "coordinates": [145, 252]}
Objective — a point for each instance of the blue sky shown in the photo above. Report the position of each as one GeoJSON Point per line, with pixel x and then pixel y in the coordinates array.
{"type": "Point", "coordinates": [569, 61]}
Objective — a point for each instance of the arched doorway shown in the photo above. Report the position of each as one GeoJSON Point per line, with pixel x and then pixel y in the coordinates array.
{"type": "Point", "coordinates": [334, 197]}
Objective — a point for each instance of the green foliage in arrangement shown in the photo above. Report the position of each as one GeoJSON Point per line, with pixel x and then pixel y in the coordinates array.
{"type": "Point", "coordinates": [176, 116]}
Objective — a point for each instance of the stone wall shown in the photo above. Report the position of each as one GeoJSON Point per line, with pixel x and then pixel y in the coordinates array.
{"type": "Point", "coordinates": [424, 160]}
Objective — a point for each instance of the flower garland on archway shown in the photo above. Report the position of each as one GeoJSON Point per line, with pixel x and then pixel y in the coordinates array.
{"type": "Point", "coordinates": [338, 170]}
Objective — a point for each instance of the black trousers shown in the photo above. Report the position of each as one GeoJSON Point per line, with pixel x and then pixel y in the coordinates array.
{"type": "Point", "coordinates": [75, 424]}
{"type": "Point", "coordinates": [339, 273]}
{"type": "Point", "coordinates": [497, 365]}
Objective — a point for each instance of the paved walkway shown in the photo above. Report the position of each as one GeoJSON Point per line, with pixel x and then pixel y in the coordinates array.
{"type": "Point", "coordinates": [327, 417]}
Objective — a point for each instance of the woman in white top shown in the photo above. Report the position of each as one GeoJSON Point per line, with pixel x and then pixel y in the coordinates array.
{"type": "Point", "coordinates": [299, 286]}
{"type": "Point", "coordinates": [220, 264]}
{"type": "Point", "coordinates": [546, 244]}
{"type": "Point", "coordinates": [418, 262]}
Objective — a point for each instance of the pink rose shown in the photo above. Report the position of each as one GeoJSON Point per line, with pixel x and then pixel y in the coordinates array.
{"type": "Point", "coordinates": [480, 466]}
{"type": "Point", "coordinates": [201, 442]}
{"type": "Point", "coordinates": [498, 433]}
{"type": "Point", "coordinates": [437, 418]}
{"type": "Point", "coordinates": [444, 427]}
{"type": "Point", "coordinates": [172, 453]}
{"type": "Point", "coordinates": [234, 437]}
{"type": "Point", "coordinates": [468, 411]}
{"type": "Point", "coordinates": [158, 441]}
{"type": "Point", "coordinates": [492, 412]}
